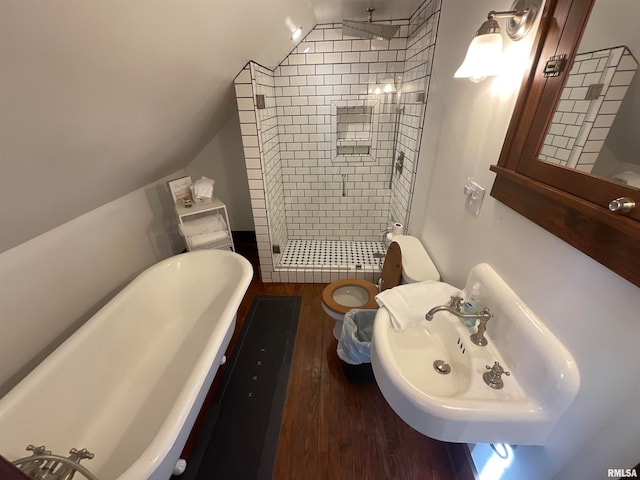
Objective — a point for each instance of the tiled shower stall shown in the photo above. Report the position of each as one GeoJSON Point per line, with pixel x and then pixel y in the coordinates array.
{"type": "Point", "coordinates": [331, 139]}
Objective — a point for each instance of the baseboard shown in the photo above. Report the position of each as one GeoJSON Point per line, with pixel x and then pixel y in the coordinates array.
{"type": "Point", "coordinates": [244, 236]}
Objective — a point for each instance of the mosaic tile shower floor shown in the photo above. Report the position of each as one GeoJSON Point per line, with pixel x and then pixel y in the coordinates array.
{"type": "Point", "coordinates": [329, 254]}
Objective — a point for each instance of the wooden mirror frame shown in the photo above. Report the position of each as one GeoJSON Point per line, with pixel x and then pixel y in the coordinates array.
{"type": "Point", "coordinates": [553, 199]}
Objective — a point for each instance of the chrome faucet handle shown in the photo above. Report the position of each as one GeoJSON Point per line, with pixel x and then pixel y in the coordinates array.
{"type": "Point", "coordinates": [77, 455]}
{"type": "Point", "coordinates": [493, 377]}
{"type": "Point", "coordinates": [497, 369]}
{"type": "Point", "coordinates": [456, 302]}
{"type": "Point", "coordinates": [41, 450]}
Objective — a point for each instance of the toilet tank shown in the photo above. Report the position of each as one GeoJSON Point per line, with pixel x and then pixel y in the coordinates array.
{"type": "Point", "coordinates": [417, 265]}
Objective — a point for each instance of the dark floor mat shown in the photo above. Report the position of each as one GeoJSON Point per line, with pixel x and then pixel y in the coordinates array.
{"type": "Point", "coordinates": [239, 436]}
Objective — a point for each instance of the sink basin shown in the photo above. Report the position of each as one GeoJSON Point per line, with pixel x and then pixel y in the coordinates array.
{"type": "Point", "coordinates": [459, 406]}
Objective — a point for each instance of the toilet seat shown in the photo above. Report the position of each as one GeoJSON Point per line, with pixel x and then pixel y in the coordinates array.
{"type": "Point", "coordinates": [391, 274]}
{"type": "Point", "coordinates": [329, 290]}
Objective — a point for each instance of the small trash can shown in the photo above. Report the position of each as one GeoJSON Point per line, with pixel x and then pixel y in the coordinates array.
{"type": "Point", "coordinates": [354, 345]}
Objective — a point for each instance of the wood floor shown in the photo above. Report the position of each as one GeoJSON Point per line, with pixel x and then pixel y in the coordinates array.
{"type": "Point", "coordinates": [334, 429]}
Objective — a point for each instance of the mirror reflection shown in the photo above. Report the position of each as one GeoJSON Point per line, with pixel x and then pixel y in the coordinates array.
{"type": "Point", "coordinates": [596, 123]}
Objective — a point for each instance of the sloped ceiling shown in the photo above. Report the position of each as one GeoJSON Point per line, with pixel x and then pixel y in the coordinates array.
{"type": "Point", "coordinates": [100, 98]}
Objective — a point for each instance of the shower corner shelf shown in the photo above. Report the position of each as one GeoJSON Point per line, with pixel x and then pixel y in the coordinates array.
{"type": "Point", "coordinates": [200, 210]}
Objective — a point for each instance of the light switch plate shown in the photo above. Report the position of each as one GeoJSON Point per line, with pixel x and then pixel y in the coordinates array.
{"type": "Point", "coordinates": [474, 195]}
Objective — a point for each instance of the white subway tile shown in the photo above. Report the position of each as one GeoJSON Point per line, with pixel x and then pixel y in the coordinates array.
{"type": "Point", "coordinates": [377, 44]}
{"type": "Point", "coordinates": [342, 46]}
{"type": "Point", "coordinates": [289, 70]}
{"type": "Point", "coordinates": [248, 129]}
{"type": "Point", "coordinates": [315, 80]}
{"type": "Point", "coordinates": [378, 67]}
{"type": "Point", "coordinates": [314, 35]}
{"type": "Point", "coordinates": [324, 69]}
{"type": "Point", "coordinates": [306, 47]}
{"type": "Point", "coordinates": [297, 59]}
{"type": "Point", "coordinates": [290, 91]}
{"type": "Point", "coordinates": [245, 103]}
{"type": "Point", "coordinates": [388, 56]}
{"type": "Point", "coordinates": [361, 45]}
{"type": "Point", "coordinates": [308, 90]}
{"type": "Point", "coordinates": [244, 90]}
{"type": "Point", "coordinates": [299, 80]}
{"type": "Point", "coordinates": [247, 116]}
{"type": "Point", "coordinates": [360, 68]}
{"type": "Point", "coordinates": [332, 79]}
{"type": "Point", "coordinates": [315, 58]}
{"type": "Point", "coordinates": [398, 44]}
{"type": "Point", "coordinates": [369, 56]}
{"type": "Point", "coordinates": [332, 57]}
{"type": "Point", "coordinates": [349, 79]}
{"type": "Point", "coordinates": [306, 70]}
{"type": "Point", "coordinates": [350, 57]}
{"type": "Point", "coordinates": [333, 34]}
{"type": "Point", "coordinates": [322, 47]}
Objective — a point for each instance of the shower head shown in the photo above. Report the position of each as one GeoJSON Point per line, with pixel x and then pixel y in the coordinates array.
{"type": "Point", "coordinates": [368, 29]}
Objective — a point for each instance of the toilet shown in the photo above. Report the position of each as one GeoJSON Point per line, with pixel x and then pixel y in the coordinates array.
{"type": "Point", "coordinates": [406, 261]}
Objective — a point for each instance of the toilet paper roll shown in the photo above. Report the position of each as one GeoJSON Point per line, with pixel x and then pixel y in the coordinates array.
{"type": "Point", "coordinates": [397, 228]}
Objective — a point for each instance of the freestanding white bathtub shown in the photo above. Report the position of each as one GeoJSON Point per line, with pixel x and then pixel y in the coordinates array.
{"type": "Point", "coordinates": [128, 385]}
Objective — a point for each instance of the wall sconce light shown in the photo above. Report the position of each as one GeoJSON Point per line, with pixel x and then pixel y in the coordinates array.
{"type": "Point", "coordinates": [484, 55]}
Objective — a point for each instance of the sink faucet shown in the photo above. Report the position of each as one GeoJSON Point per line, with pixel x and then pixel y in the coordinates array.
{"type": "Point", "coordinates": [454, 307]}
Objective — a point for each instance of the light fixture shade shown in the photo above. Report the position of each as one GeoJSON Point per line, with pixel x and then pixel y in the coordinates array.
{"type": "Point", "coordinates": [483, 58]}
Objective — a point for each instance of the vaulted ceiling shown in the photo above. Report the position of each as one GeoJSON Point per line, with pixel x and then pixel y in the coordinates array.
{"type": "Point", "coordinates": [100, 98]}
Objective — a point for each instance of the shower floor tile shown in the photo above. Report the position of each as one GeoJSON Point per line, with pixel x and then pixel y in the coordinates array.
{"type": "Point", "coordinates": [331, 253]}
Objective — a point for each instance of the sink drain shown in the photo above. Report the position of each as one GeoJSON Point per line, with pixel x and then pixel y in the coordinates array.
{"type": "Point", "coordinates": [441, 367]}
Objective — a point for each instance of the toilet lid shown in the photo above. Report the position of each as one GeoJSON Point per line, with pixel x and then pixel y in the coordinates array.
{"type": "Point", "coordinates": [392, 268]}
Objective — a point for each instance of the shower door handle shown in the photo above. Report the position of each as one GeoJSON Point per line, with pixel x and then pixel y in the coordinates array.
{"type": "Point", "coordinates": [344, 184]}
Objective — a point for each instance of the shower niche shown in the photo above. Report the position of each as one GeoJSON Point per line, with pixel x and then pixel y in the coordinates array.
{"type": "Point", "coordinates": [354, 131]}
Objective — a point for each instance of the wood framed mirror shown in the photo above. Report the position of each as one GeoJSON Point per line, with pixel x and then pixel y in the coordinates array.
{"type": "Point", "coordinates": [567, 195]}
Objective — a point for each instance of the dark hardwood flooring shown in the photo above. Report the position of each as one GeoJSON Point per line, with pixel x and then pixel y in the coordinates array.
{"type": "Point", "coordinates": [331, 428]}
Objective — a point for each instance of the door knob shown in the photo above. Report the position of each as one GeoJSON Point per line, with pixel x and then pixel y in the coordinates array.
{"type": "Point", "coordinates": [622, 205]}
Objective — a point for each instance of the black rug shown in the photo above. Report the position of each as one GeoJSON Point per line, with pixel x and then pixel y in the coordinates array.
{"type": "Point", "coordinates": [239, 436]}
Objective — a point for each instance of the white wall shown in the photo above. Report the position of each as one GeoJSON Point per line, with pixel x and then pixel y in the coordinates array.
{"type": "Point", "coordinates": [223, 160]}
{"type": "Point", "coordinates": [53, 283]}
{"type": "Point", "coordinates": [593, 311]}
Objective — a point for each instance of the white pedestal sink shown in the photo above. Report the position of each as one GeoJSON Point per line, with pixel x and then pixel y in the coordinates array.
{"type": "Point", "coordinates": [459, 406]}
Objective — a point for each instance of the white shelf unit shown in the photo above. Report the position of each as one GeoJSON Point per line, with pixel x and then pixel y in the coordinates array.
{"type": "Point", "coordinates": [203, 209]}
